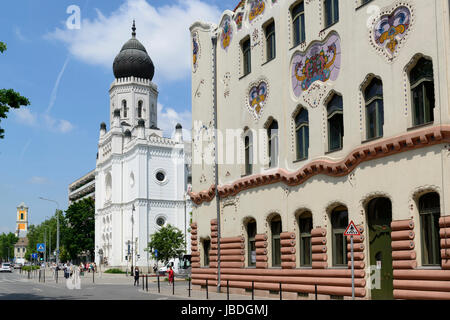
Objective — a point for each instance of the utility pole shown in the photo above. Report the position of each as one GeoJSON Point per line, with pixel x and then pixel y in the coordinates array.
{"type": "Point", "coordinates": [132, 238]}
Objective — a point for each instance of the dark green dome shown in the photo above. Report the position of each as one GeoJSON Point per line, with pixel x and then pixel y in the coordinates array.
{"type": "Point", "coordinates": [133, 60]}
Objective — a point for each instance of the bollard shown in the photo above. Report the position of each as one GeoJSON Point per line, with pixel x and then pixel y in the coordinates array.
{"type": "Point", "coordinates": [56, 273]}
{"type": "Point", "coordinates": [44, 275]}
{"type": "Point", "coordinates": [189, 287]}
{"type": "Point", "coordinates": [93, 276]}
{"type": "Point", "coordinates": [253, 290]}
{"type": "Point", "coordinates": [143, 282]}
{"type": "Point", "coordinates": [173, 285]}
{"type": "Point", "coordinates": [206, 289]}
{"type": "Point", "coordinates": [159, 287]}
{"type": "Point", "coordinates": [281, 297]}
{"type": "Point", "coordinates": [146, 282]}
{"type": "Point", "coordinates": [315, 290]}
{"type": "Point", "coordinates": [28, 274]}
{"type": "Point", "coordinates": [228, 289]}
{"type": "Point", "coordinates": [39, 275]}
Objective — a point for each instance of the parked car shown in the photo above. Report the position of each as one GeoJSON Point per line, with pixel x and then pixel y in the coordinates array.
{"type": "Point", "coordinates": [6, 267]}
{"type": "Point", "coordinates": [180, 266]}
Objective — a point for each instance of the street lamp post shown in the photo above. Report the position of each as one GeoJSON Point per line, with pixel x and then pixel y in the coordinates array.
{"type": "Point", "coordinates": [57, 227]}
{"type": "Point", "coordinates": [132, 238]}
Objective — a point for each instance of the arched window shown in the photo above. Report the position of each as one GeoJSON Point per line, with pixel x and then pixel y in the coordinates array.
{"type": "Point", "coordinates": [298, 23]}
{"type": "Point", "coordinates": [139, 109]}
{"type": "Point", "coordinates": [305, 227]}
{"type": "Point", "coordinates": [272, 133]}
{"type": "Point", "coordinates": [422, 92]}
{"type": "Point", "coordinates": [331, 12]}
{"type": "Point", "coordinates": [302, 134]}
{"type": "Point", "coordinates": [275, 227]}
{"type": "Point", "coordinates": [335, 111]}
{"type": "Point", "coordinates": [21, 216]}
{"type": "Point", "coordinates": [429, 210]}
{"type": "Point", "coordinates": [373, 95]}
{"type": "Point", "coordinates": [251, 233]}
{"type": "Point", "coordinates": [125, 108]}
{"type": "Point", "coordinates": [339, 222]}
{"type": "Point", "coordinates": [248, 145]}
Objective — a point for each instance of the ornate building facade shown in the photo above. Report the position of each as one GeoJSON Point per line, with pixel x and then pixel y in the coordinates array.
{"type": "Point", "coordinates": [141, 177]}
{"type": "Point", "coordinates": [326, 112]}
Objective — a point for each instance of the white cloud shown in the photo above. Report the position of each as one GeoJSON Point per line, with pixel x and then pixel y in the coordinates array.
{"type": "Point", "coordinates": [25, 116]}
{"type": "Point", "coordinates": [168, 118]}
{"type": "Point", "coordinates": [28, 118]}
{"type": "Point", "coordinates": [164, 31]}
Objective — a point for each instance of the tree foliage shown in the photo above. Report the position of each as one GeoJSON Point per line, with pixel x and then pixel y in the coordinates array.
{"type": "Point", "coordinates": [169, 241]}
{"type": "Point", "coordinates": [9, 99]}
{"type": "Point", "coordinates": [7, 242]}
{"type": "Point", "coordinates": [46, 231]}
{"type": "Point", "coordinates": [79, 235]}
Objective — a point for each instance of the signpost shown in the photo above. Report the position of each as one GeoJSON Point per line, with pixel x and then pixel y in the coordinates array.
{"type": "Point", "coordinates": [40, 247]}
{"type": "Point", "coordinates": [352, 231]}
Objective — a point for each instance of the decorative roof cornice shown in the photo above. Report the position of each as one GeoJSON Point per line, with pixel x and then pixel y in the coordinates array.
{"type": "Point", "coordinates": [371, 151]}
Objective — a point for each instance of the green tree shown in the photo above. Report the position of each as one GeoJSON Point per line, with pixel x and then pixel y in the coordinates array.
{"type": "Point", "coordinates": [79, 235]}
{"type": "Point", "coordinates": [169, 241]}
{"type": "Point", "coordinates": [9, 99]}
{"type": "Point", "coordinates": [7, 242]}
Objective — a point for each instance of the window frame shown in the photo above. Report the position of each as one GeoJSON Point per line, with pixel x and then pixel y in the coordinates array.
{"type": "Point", "coordinates": [206, 250]}
{"type": "Point", "coordinates": [276, 254]}
{"type": "Point", "coordinates": [248, 153]}
{"type": "Point", "coordinates": [419, 85]}
{"type": "Point", "coordinates": [300, 31]}
{"type": "Point", "coordinates": [432, 215]}
{"type": "Point", "coordinates": [304, 128]}
{"type": "Point", "coordinates": [379, 110]}
{"type": "Point", "coordinates": [251, 242]}
{"type": "Point", "coordinates": [337, 231]}
{"type": "Point", "coordinates": [270, 37]}
{"type": "Point", "coordinates": [330, 117]}
{"type": "Point", "coordinates": [246, 56]}
{"type": "Point", "coordinates": [334, 15]}
{"type": "Point", "coordinates": [273, 143]}
{"type": "Point", "coordinates": [305, 236]}
{"type": "Point", "coordinates": [140, 109]}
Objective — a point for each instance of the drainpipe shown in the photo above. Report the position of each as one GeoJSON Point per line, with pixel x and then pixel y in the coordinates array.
{"type": "Point", "coordinates": [216, 165]}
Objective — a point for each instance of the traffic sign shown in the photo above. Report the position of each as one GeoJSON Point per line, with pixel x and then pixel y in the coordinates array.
{"type": "Point", "coordinates": [156, 253]}
{"type": "Point", "coordinates": [40, 247]}
{"type": "Point", "coordinates": [34, 255]}
{"type": "Point", "coordinates": [352, 230]}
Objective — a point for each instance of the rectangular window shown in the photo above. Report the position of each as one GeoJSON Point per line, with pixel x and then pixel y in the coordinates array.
{"type": "Point", "coordinates": [331, 12]}
{"type": "Point", "coordinates": [270, 41]}
{"type": "Point", "coordinates": [298, 23]}
{"type": "Point", "coordinates": [305, 241]}
{"type": "Point", "coordinates": [206, 247]}
{"type": "Point", "coordinates": [247, 58]}
{"type": "Point", "coordinates": [251, 231]}
{"type": "Point", "coordinates": [276, 244]}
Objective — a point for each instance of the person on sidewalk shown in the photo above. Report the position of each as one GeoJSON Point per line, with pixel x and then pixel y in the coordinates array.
{"type": "Point", "coordinates": [170, 276]}
{"type": "Point", "coordinates": [136, 276]}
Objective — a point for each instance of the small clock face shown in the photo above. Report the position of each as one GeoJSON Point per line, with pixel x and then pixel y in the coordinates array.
{"type": "Point", "coordinates": [160, 221]}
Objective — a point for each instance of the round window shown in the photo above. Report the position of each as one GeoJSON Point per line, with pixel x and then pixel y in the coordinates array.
{"type": "Point", "coordinates": [160, 221]}
{"type": "Point", "coordinates": [160, 176]}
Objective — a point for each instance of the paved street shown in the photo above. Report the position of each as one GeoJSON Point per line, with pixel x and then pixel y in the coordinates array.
{"type": "Point", "coordinates": [16, 286]}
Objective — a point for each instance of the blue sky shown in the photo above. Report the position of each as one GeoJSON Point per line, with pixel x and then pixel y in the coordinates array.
{"type": "Point", "coordinates": [66, 75]}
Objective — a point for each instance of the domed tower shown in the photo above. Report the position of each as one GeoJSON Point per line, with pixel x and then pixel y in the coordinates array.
{"type": "Point", "coordinates": [133, 91]}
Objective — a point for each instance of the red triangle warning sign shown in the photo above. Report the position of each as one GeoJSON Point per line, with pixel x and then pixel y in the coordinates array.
{"type": "Point", "coordinates": [351, 230]}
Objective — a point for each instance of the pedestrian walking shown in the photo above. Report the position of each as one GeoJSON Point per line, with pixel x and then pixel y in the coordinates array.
{"type": "Point", "coordinates": [136, 276]}
{"type": "Point", "coordinates": [155, 268]}
{"type": "Point", "coordinates": [171, 274]}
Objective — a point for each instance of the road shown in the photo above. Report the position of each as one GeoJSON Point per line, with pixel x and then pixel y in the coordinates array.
{"type": "Point", "coordinates": [16, 286]}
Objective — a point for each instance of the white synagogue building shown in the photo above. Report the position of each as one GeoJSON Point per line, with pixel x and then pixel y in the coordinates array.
{"type": "Point", "coordinates": [141, 177]}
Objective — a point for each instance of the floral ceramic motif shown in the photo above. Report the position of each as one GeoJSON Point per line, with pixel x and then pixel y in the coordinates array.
{"type": "Point", "coordinates": [256, 8]}
{"type": "Point", "coordinates": [321, 62]}
{"type": "Point", "coordinates": [227, 33]}
{"type": "Point", "coordinates": [257, 98]}
{"type": "Point", "coordinates": [195, 51]}
{"type": "Point", "coordinates": [239, 19]}
{"type": "Point", "coordinates": [389, 30]}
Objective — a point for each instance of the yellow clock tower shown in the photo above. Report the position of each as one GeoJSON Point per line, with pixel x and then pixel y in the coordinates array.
{"type": "Point", "coordinates": [22, 220]}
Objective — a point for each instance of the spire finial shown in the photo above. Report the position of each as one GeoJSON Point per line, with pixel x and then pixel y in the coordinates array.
{"type": "Point", "coordinates": [134, 30]}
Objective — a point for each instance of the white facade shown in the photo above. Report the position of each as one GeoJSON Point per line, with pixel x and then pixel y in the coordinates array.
{"type": "Point", "coordinates": [137, 168]}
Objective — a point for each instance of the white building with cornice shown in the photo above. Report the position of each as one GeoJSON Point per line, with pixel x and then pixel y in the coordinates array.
{"type": "Point", "coordinates": [141, 177]}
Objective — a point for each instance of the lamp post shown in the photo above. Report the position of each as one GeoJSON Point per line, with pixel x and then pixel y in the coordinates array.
{"type": "Point", "coordinates": [132, 238]}
{"type": "Point", "coordinates": [57, 227]}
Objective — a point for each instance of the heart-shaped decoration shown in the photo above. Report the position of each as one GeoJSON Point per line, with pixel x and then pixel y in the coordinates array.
{"type": "Point", "coordinates": [257, 98]}
{"type": "Point", "coordinates": [390, 30]}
